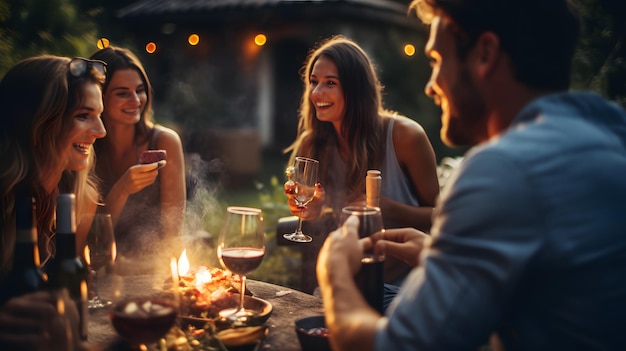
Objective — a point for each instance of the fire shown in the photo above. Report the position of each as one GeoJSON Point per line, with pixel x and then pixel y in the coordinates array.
{"type": "Point", "coordinates": [183, 264]}
{"type": "Point", "coordinates": [87, 255]}
{"type": "Point", "coordinates": [203, 276]}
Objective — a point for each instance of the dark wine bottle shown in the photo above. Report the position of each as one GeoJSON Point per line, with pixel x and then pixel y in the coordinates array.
{"type": "Point", "coordinates": [370, 279]}
{"type": "Point", "coordinates": [66, 269]}
{"type": "Point", "coordinates": [371, 282]}
{"type": "Point", "coordinates": [25, 275]}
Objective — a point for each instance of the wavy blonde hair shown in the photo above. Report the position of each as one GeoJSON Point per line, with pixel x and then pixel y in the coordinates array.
{"type": "Point", "coordinates": [38, 98]}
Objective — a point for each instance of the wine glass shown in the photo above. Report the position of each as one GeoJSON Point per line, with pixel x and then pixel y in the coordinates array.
{"type": "Point", "coordinates": [145, 307]}
{"type": "Point", "coordinates": [240, 249]}
{"type": "Point", "coordinates": [370, 278]}
{"type": "Point", "coordinates": [100, 251]}
{"type": "Point", "coordinates": [305, 178]}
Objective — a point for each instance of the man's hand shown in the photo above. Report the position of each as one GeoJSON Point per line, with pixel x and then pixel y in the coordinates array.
{"type": "Point", "coordinates": [350, 320]}
{"type": "Point", "coordinates": [45, 320]}
{"type": "Point", "coordinates": [313, 209]}
{"type": "Point", "coordinates": [342, 247]}
{"type": "Point", "coordinates": [405, 244]}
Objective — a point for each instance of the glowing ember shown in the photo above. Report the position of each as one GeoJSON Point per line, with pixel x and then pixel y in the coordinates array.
{"type": "Point", "coordinates": [203, 276]}
{"type": "Point", "coordinates": [203, 290]}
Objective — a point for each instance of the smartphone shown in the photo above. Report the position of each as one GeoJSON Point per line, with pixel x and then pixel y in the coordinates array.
{"type": "Point", "coordinates": [151, 156]}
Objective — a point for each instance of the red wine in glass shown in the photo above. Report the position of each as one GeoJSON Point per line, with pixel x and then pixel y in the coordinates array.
{"type": "Point", "coordinates": [240, 249]}
{"type": "Point", "coordinates": [143, 320]}
{"type": "Point", "coordinates": [242, 260]}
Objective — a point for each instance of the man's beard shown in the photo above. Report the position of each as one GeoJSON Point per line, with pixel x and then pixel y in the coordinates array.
{"type": "Point", "coordinates": [468, 125]}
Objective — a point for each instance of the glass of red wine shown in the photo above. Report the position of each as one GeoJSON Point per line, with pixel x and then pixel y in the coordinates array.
{"type": "Point", "coordinates": [99, 252]}
{"type": "Point", "coordinates": [144, 308]}
{"type": "Point", "coordinates": [240, 249]}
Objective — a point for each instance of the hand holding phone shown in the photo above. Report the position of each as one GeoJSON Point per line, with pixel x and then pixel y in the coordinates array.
{"type": "Point", "coordinates": [151, 156]}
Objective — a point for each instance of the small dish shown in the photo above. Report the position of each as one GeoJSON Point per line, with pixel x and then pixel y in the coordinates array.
{"type": "Point", "coordinates": [311, 337]}
{"type": "Point", "coordinates": [199, 318]}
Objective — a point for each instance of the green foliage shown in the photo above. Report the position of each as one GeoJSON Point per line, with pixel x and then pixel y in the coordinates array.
{"type": "Point", "coordinates": [281, 264]}
{"type": "Point", "coordinates": [35, 27]}
{"type": "Point", "coordinates": [600, 61]}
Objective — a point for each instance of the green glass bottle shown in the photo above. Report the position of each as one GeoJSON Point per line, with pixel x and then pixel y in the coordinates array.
{"type": "Point", "coordinates": [25, 275]}
{"type": "Point", "coordinates": [66, 269]}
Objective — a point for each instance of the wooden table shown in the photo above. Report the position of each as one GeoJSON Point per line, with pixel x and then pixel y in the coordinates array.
{"type": "Point", "coordinates": [288, 305]}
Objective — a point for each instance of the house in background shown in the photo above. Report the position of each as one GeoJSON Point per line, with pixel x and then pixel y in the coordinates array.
{"type": "Point", "coordinates": [226, 73]}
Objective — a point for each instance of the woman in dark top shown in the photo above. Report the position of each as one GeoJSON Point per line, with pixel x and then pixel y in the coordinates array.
{"type": "Point", "coordinates": [146, 201]}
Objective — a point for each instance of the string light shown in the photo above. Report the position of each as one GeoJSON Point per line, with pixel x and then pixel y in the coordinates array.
{"type": "Point", "coordinates": [102, 43]}
{"type": "Point", "coordinates": [193, 39]}
{"type": "Point", "coordinates": [151, 47]}
{"type": "Point", "coordinates": [409, 49]}
{"type": "Point", "coordinates": [260, 39]}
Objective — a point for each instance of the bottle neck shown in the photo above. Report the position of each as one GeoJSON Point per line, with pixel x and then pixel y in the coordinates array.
{"type": "Point", "coordinates": [26, 255]}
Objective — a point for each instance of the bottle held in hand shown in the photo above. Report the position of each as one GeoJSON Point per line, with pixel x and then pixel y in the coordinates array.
{"type": "Point", "coordinates": [66, 269]}
{"type": "Point", "coordinates": [26, 275]}
{"type": "Point", "coordinates": [370, 278]}
{"type": "Point", "coordinates": [372, 188]}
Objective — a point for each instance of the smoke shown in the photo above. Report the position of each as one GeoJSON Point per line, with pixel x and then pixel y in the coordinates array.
{"type": "Point", "coordinates": [203, 209]}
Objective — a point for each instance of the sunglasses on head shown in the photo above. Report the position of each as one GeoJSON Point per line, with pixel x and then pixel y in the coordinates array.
{"type": "Point", "coordinates": [79, 66]}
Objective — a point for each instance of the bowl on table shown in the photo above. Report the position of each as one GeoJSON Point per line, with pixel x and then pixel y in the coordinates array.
{"type": "Point", "coordinates": [209, 313]}
{"type": "Point", "coordinates": [312, 333]}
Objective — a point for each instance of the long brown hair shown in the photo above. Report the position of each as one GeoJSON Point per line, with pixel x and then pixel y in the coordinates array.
{"type": "Point", "coordinates": [38, 97]}
{"type": "Point", "coordinates": [363, 122]}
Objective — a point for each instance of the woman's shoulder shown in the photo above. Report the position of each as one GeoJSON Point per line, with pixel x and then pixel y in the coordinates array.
{"type": "Point", "coordinates": [160, 129]}
{"type": "Point", "coordinates": [166, 135]}
{"type": "Point", "coordinates": [405, 127]}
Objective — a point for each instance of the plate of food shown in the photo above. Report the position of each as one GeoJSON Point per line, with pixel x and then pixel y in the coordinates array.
{"type": "Point", "coordinates": [199, 315]}
{"type": "Point", "coordinates": [205, 291]}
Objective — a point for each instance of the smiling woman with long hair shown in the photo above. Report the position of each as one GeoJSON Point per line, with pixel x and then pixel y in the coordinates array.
{"type": "Point", "coordinates": [146, 201]}
{"type": "Point", "coordinates": [344, 125]}
{"type": "Point", "coordinates": [49, 120]}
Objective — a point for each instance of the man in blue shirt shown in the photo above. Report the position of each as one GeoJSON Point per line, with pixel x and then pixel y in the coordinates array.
{"type": "Point", "coordinates": [529, 236]}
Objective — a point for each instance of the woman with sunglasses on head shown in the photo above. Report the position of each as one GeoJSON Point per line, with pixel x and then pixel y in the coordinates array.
{"type": "Point", "coordinates": [146, 201]}
{"type": "Point", "coordinates": [49, 121]}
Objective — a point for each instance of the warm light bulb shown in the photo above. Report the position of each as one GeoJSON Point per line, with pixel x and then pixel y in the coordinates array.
{"type": "Point", "coordinates": [260, 39]}
{"type": "Point", "coordinates": [151, 47]}
{"type": "Point", "coordinates": [409, 49]}
{"type": "Point", "coordinates": [102, 43]}
{"type": "Point", "coordinates": [193, 39]}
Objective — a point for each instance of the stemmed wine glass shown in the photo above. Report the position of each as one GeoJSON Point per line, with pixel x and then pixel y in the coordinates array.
{"type": "Point", "coordinates": [305, 178]}
{"type": "Point", "coordinates": [100, 251]}
{"type": "Point", "coordinates": [240, 249]}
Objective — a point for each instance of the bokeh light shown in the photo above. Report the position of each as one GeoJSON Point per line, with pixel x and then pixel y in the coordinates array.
{"type": "Point", "coordinates": [409, 49]}
{"type": "Point", "coordinates": [102, 43]}
{"type": "Point", "coordinates": [151, 47]}
{"type": "Point", "coordinates": [193, 39]}
{"type": "Point", "coordinates": [260, 39]}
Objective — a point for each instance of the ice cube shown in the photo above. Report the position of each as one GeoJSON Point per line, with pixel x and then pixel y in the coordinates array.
{"type": "Point", "coordinates": [147, 306]}
{"type": "Point", "coordinates": [131, 308]}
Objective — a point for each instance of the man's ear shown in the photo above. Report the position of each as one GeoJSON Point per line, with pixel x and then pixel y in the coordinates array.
{"type": "Point", "coordinates": [486, 53]}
